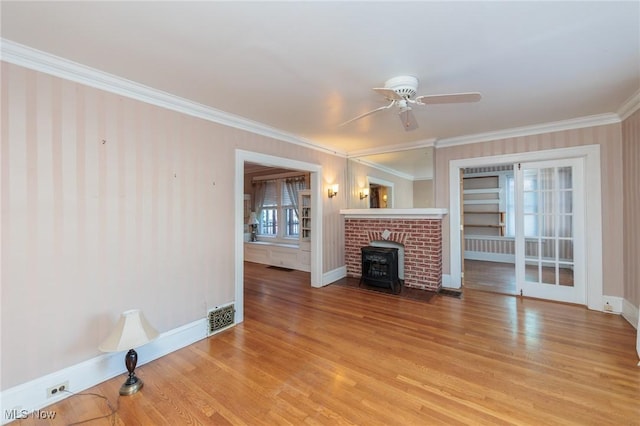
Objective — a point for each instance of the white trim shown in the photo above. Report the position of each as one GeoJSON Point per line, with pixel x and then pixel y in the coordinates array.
{"type": "Point", "coordinates": [630, 106]}
{"type": "Point", "coordinates": [491, 237]}
{"type": "Point", "coordinates": [335, 275]}
{"type": "Point", "coordinates": [481, 202]}
{"type": "Point", "coordinates": [28, 57]}
{"type": "Point", "coordinates": [392, 148]}
{"type": "Point", "coordinates": [354, 155]}
{"type": "Point", "coordinates": [384, 169]}
{"type": "Point", "coordinates": [278, 176]}
{"type": "Point", "coordinates": [316, 219]}
{"type": "Point", "coordinates": [490, 257]}
{"type": "Point", "coordinates": [593, 204]}
{"type": "Point", "coordinates": [483, 191]}
{"type": "Point", "coordinates": [446, 281]}
{"type": "Point", "coordinates": [379, 181]}
{"type": "Point", "coordinates": [576, 123]}
{"type": "Point", "coordinates": [631, 313]}
{"type": "Point", "coordinates": [389, 185]}
{"type": "Point", "coordinates": [394, 213]}
{"type": "Point", "coordinates": [34, 59]}
{"type": "Point", "coordinates": [31, 396]}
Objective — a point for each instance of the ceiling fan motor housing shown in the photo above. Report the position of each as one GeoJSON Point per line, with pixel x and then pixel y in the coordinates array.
{"type": "Point", "coordinates": [404, 85]}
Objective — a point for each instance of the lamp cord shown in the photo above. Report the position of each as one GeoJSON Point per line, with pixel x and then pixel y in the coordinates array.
{"type": "Point", "coordinates": [113, 410]}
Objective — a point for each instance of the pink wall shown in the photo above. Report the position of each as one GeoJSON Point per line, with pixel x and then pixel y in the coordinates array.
{"type": "Point", "coordinates": [631, 222]}
{"type": "Point", "coordinates": [109, 204]}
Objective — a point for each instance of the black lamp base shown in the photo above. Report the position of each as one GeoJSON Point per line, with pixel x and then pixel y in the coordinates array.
{"type": "Point", "coordinates": [133, 384]}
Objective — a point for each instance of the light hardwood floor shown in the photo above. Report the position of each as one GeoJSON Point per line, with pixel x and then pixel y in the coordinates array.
{"type": "Point", "coordinates": [490, 276]}
{"type": "Point", "coordinates": [500, 277]}
{"type": "Point", "coordinates": [338, 355]}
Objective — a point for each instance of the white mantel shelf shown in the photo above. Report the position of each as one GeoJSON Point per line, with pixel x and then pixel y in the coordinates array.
{"type": "Point", "coordinates": [394, 213]}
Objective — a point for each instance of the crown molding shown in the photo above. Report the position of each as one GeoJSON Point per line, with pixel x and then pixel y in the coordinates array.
{"type": "Point", "coordinates": [354, 155]}
{"type": "Point", "coordinates": [385, 169]}
{"type": "Point", "coordinates": [630, 106]}
{"type": "Point", "coordinates": [392, 148]}
{"type": "Point", "coordinates": [576, 123]}
{"type": "Point", "coordinates": [37, 60]}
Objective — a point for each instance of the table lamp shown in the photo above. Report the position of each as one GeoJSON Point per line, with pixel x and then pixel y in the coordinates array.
{"type": "Point", "coordinates": [253, 223]}
{"type": "Point", "coordinates": [133, 330]}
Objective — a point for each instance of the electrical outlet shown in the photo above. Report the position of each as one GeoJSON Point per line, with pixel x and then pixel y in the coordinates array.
{"type": "Point", "coordinates": [608, 307]}
{"type": "Point", "coordinates": [57, 389]}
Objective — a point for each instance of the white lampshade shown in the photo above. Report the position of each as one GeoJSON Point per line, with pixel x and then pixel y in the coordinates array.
{"type": "Point", "coordinates": [132, 330]}
{"type": "Point", "coordinates": [253, 219]}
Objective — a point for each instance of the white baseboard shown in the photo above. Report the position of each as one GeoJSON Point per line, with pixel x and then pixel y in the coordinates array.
{"type": "Point", "coordinates": [333, 276]}
{"type": "Point", "coordinates": [446, 282]}
{"type": "Point", "coordinates": [630, 313]}
{"type": "Point", "coordinates": [28, 397]}
{"type": "Point", "coordinates": [489, 257]}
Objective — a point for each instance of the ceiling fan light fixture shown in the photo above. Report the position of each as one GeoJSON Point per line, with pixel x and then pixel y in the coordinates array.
{"type": "Point", "coordinates": [404, 85]}
{"type": "Point", "coordinates": [404, 106]}
{"type": "Point", "coordinates": [400, 91]}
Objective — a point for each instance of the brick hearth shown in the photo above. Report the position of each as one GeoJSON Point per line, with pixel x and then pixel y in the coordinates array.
{"type": "Point", "coordinates": [421, 238]}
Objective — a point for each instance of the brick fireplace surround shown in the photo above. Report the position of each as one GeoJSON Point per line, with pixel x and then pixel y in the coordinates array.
{"type": "Point", "coordinates": [418, 230]}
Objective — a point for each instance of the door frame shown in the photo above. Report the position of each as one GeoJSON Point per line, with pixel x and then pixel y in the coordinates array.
{"type": "Point", "coordinates": [593, 214]}
{"type": "Point", "coordinates": [315, 172]}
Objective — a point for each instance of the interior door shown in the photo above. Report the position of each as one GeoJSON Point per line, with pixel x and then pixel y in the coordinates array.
{"type": "Point", "coordinates": [550, 234]}
{"type": "Point", "coordinates": [462, 242]}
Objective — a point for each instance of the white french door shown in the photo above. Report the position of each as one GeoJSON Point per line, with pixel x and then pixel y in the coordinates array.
{"type": "Point", "coordinates": [550, 230]}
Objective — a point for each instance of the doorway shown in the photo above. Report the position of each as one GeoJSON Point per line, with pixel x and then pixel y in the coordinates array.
{"type": "Point", "coordinates": [315, 173]}
{"type": "Point", "coordinates": [489, 231]}
{"type": "Point", "coordinates": [380, 193]}
{"type": "Point", "coordinates": [591, 242]}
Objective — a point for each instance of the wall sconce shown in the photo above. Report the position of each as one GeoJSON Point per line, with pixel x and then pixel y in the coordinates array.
{"type": "Point", "coordinates": [333, 190]}
{"type": "Point", "coordinates": [364, 193]}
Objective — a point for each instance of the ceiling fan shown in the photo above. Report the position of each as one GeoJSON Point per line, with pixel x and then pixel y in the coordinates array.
{"type": "Point", "coordinates": [401, 92]}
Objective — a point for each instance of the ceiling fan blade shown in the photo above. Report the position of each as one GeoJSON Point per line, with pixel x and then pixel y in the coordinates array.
{"type": "Point", "coordinates": [449, 98]}
{"type": "Point", "coordinates": [408, 120]}
{"type": "Point", "coordinates": [368, 113]}
{"type": "Point", "coordinates": [388, 93]}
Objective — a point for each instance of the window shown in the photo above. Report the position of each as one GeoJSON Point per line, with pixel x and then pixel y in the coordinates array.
{"type": "Point", "coordinates": [530, 205]}
{"type": "Point", "coordinates": [510, 206]}
{"type": "Point", "coordinates": [278, 218]}
{"type": "Point", "coordinates": [289, 207]}
{"type": "Point", "coordinates": [268, 218]}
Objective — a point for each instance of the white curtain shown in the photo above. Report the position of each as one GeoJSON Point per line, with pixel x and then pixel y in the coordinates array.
{"type": "Point", "coordinates": [259, 191]}
{"type": "Point", "coordinates": [293, 185]}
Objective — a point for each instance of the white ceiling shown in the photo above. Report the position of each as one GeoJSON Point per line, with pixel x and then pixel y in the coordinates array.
{"type": "Point", "coordinates": [305, 67]}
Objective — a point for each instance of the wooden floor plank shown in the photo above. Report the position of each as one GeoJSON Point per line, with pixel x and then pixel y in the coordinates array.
{"type": "Point", "coordinates": [338, 355]}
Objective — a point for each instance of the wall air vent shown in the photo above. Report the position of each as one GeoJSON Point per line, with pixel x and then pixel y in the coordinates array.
{"type": "Point", "coordinates": [220, 318]}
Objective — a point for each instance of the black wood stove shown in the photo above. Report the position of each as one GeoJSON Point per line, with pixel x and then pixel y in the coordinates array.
{"type": "Point", "coordinates": [380, 267]}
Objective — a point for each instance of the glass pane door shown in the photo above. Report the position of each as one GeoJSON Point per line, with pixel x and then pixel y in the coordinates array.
{"type": "Point", "coordinates": [550, 230]}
